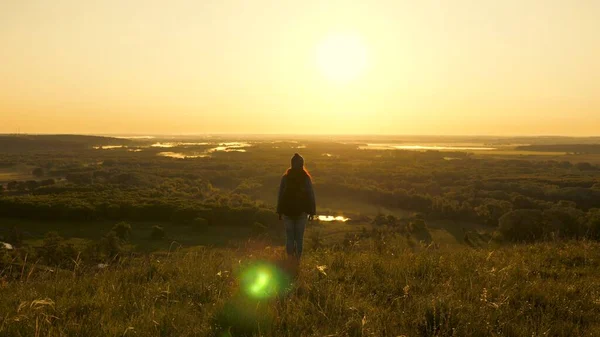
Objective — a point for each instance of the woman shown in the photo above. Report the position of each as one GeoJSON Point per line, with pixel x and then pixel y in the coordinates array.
{"type": "Point", "coordinates": [295, 204]}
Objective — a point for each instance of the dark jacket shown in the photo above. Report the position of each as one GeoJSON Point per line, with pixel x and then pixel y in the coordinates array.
{"type": "Point", "coordinates": [283, 206]}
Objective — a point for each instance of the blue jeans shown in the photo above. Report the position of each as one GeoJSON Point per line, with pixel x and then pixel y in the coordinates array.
{"type": "Point", "coordinates": [294, 232]}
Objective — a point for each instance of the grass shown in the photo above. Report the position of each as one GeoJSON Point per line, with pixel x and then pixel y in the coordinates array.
{"type": "Point", "coordinates": [388, 287]}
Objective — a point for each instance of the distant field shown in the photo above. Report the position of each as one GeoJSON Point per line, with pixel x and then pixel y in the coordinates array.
{"type": "Point", "coordinates": [17, 173]}
{"type": "Point", "coordinates": [571, 148]}
{"type": "Point", "coordinates": [332, 206]}
{"type": "Point", "coordinates": [445, 233]}
{"type": "Point", "coordinates": [534, 155]}
{"type": "Point", "coordinates": [518, 153]}
{"type": "Point", "coordinates": [186, 235]}
{"type": "Point", "coordinates": [82, 232]}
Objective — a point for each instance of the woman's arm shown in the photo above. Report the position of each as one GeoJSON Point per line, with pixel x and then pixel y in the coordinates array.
{"type": "Point", "coordinates": [311, 198]}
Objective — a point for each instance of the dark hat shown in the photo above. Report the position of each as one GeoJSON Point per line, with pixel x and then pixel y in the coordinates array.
{"type": "Point", "coordinates": [297, 161]}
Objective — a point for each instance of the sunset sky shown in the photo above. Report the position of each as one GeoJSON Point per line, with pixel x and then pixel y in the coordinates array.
{"type": "Point", "coordinates": [511, 67]}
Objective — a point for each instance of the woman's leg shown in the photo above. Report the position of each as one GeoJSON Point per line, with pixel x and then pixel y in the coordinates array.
{"type": "Point", "coordinates": [299, 233]}
{"type": "Point", "coordinates": [289, 235]}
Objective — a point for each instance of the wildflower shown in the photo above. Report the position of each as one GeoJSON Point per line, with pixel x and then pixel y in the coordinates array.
{"type": "Point", "coordinates": [484, 294]}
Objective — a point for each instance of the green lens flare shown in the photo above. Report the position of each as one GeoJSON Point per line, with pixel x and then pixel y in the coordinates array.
{"type": "Point", "coordinates": [263, 280]}
{"type": "Point", "coordinates": [261, 283]}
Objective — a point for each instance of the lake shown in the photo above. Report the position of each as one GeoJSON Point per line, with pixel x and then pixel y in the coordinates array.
{"type": "Point", "coordinates": [180, 155]}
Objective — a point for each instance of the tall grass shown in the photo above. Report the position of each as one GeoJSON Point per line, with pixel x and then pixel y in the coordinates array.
{"type": "Point", "coordinates": [545, 289]}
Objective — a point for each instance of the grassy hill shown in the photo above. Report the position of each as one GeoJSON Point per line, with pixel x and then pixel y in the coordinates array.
{"type": "Point", "coordinates": [377, 286]}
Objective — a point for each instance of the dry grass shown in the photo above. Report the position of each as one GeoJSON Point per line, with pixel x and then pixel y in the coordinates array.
{"type": "Point", "coordinates": [374, 289]}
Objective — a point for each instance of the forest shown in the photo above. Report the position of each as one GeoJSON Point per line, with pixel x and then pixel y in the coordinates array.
{"type": "Point", "coordinates": [161, 231]}
{"type": "Point", "coordinates": [232, 188]}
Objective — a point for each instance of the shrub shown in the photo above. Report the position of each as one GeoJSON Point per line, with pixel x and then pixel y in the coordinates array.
{"type": "Point", "coordinates": [111, 245]}
{"type": "Point", "coordinates": [47, 182]}
{"type": "Point", "coordinates": [585, 166]}
{"type": "Point", "coordinates": [567, 221]}
{"type": "Point", "coordinates": [316, 240]}
{"type": "Point", "coordinates": [567, 203]}
{"type": "Point", "coordinates": [200, 223]}
{"type": "Point", "coordinates": [15, 236]}
{"type": "Point", "coordinates": [38, 172]}
{"type": "Point", "coordinates": [31, 184]}
{"type": "Point", "coordinates": [55, 251]}
{"type": "Point", "coordinates": [122, 230]}
{"type": "Point", "coordinates": [158, 233]}
{"type": "Point", "coordinates": [522, 225]}
{"type": "Point", "coordinates": [380, 220]}
{"type": "Point", "coordinates": [417, 225]}
{"type": "Point", "coordinates": [258, 228]}
{"type": "Point", "coordinates": [593, 223]}
{"type": "Point", "coordinates": [420, 230]}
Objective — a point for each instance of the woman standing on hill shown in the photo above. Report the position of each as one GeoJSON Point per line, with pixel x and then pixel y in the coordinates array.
{"type": "Point", "coordinates": [296, 204]}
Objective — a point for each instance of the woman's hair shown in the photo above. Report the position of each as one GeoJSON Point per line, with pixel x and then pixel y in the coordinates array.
{"type": "Point", "coordinates": [296, 173]}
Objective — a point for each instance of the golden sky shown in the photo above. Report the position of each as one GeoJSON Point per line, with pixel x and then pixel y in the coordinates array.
{"type": "Point", "coordinates": [391, 67]}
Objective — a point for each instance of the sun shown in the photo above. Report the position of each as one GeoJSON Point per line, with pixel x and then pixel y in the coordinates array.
{"type": "Point", "coordinates": [341, 57]}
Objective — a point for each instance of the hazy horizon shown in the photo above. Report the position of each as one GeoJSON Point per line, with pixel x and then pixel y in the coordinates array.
{"type": "Point", "coordinates": [511, 68]}
{"type": "Point", "coordinates": [269, 135]}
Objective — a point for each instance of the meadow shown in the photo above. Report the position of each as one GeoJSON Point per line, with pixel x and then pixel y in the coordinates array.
{"type": "Point", "coordinates": [379, 289]}
{"type": "Point", "coordinates": [112, 237]}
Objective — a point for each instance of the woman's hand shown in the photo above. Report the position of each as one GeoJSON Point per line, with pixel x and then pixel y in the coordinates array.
{"type": "Point", "coordinates": [311, 217]}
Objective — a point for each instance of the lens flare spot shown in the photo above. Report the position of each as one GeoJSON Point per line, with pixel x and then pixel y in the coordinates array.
{"type": "Point", "coordinates": [263, 280]}
{"type": "Point", "coordinates": [261, 283]}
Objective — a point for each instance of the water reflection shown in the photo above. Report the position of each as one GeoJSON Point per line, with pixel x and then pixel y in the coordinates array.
{"type": "Point", "coordinates": [180, 155]}
{"type": "Point", "coordinates": [332, 218]}
{"type": "Point", "coordinates": [221, 147]}
{"type": "Point", "coordinates": [226, 149]}
{"type": "Point", "coordinates": [425, 147]}
{"type": "Point", "coordinates": [109, 147]}
{"type": "Point", "coordinates": [175, 144]}
{"type": "Point", "coordinates": [235, 144]}
{"type": "Point", "coordinates": [230, 147]}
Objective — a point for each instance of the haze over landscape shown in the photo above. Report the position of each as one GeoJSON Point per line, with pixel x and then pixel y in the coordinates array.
{"type": "Point", "coordinates": [299, 168]}
{"type": "Point", "coordinates": [385, 67]}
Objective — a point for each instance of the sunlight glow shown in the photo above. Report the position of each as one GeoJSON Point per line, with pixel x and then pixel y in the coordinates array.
{"type": "Point", "coordinates": [342, 57]}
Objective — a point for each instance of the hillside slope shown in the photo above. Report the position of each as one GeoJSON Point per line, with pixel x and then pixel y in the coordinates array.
{"type": "Point", "coordinates": [384, 288]}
